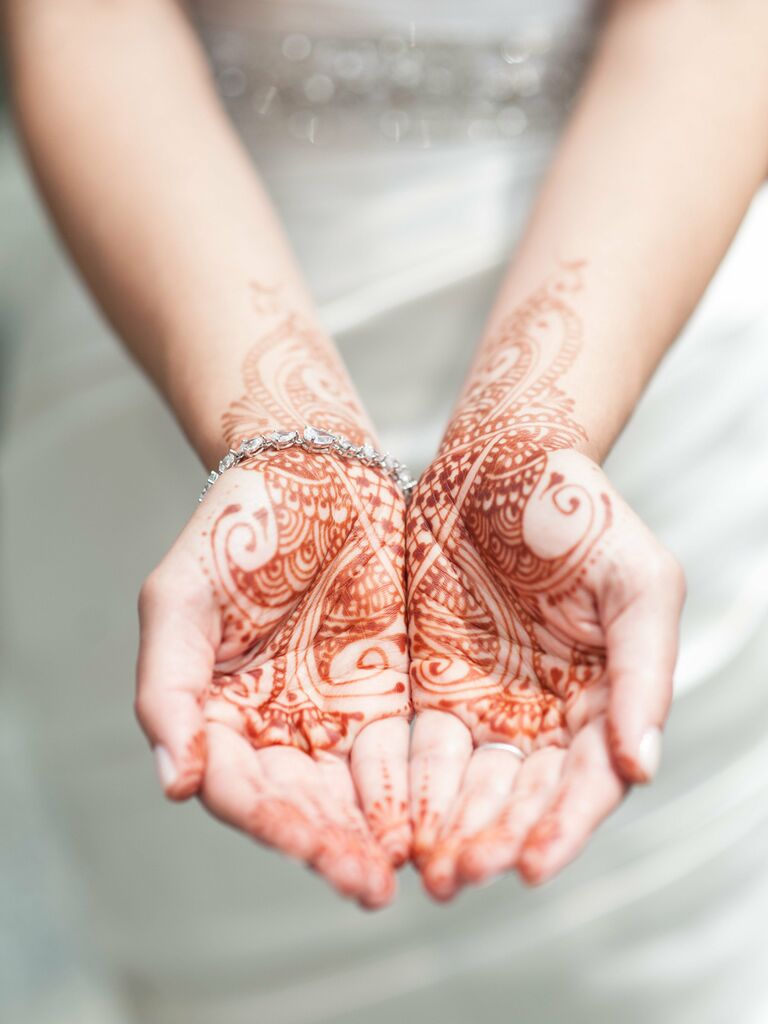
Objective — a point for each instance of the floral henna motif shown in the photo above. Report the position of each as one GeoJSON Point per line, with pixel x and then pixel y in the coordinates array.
{"type": "Point", "coordinates": [503, 630]}
{"type": "Point", "coordinates": [306, 558]}
{"type": "Point", "coordinates": [308, 572]}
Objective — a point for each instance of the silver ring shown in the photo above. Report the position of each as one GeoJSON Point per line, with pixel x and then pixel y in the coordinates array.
{"type": "Point", "coordinates": [509, 747]}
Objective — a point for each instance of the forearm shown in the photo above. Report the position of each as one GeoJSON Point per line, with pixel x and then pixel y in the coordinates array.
{"type": "Point", "coordinates": [660, 161]}
{"type": "Point", "coordinates": [164, 215]}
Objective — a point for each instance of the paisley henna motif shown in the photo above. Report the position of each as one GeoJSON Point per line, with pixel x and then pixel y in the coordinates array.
{"type": "Point", "coordinates": [502, 629]}
{"type": "Point", "coordinates": [292, 376]}
{"type": "Point", "coordinates": [306, 558]}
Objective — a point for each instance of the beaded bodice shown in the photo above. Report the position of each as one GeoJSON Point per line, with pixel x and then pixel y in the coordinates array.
{"type": "Point", "coordinates": [407, 75]}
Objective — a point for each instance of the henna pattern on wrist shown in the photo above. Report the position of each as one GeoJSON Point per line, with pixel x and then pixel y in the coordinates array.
{"type": "Point", "coordinates": [306, 559]}
{"type": "Point", "coordinates": [503, 632]}
{"type": "Point", "coordinates": [292, 376]}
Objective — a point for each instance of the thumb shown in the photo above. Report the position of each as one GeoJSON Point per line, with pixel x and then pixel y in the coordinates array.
{"type": "Point", "coordinates": [175, 664]}
{"type": "Point", "coordinates": [641, 617]}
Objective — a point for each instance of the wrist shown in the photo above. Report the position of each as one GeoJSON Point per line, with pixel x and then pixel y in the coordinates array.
{"type": "Point", "coordinates": [539, 427]}
{"type": "Point", "coordinates": [492, 453]}
{"type": "Point", "coordinates": [540, 372]}
{"type": "Point", "coordinates": [283, 374]}
{"type": "Point", "coordinates": [314, 442]}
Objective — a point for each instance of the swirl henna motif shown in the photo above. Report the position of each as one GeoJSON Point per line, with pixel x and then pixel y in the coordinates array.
{"type": "Point", "coordinates": [503, 633]}
{"type": "Point", "coordinates": [292, 376]}
{"type": "Point", "coordinates": [308, 573]}
{"type": "Point", "coordinates": [306, 559]}
{"type": "Point", "coordinates": [273, 672]}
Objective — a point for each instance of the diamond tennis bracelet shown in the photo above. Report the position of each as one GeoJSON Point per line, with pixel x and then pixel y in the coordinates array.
{"type": "Point", "coordinates": [312, 440]}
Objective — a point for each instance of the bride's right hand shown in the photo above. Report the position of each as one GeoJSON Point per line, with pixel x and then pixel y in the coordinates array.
{"type": "Point", "coordinates": [272, 676]}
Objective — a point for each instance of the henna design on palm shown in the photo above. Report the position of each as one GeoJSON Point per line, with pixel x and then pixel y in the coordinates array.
{"type": "Point", "coordinates": [522, 559]}
{"type": "Point", "coordinates": [308, 574]}
{"type": "Point", "coordinates": [274, 652]}
{"type": "Point", "coordinates": [493, 635]}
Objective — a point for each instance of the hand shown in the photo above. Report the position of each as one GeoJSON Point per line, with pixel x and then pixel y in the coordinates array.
{"type": "Point", "coordinates": [544, 614]}
{"type": "Point", "coordinates": [272, 676]}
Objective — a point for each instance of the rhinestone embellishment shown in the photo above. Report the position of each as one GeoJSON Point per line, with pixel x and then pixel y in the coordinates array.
{"type": "Point", "coordinates": [318, 439]}
{"type": "Point", "coordinates": [407, 86]}
{"type": "Point", "coordinates": [282, 438]}
{"type": "Point", "coordinates": [312, 439]}
{"type": "Point", "coordinates": [227, 462]}
{"type": "Point", "coordinates": [252, 445]}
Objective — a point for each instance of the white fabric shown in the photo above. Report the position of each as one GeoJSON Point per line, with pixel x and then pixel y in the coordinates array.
{"type": "Point", "coordinates": [663, 917]}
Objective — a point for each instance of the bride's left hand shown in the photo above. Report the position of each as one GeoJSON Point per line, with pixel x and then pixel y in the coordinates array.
{"type": "Point", "coordinates": [543, 614]}
{"type": "Point", "coordinates": [272, 676]}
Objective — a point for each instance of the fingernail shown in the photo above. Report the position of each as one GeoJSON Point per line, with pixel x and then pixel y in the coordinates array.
{"type": "Point", "coordinates": [166, 769]}
{"type": "Point", "coordinates": [649, 752]}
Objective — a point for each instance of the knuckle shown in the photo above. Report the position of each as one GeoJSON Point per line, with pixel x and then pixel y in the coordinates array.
{"type": "Point", "coordinates": [152, 591]}
{"type": "Point", "coordinates": [141, 708]}
{"type": "Point", "coordinates": [658, 569]}
{"type": "Point", "coordinates": [677, 574]}
{"type": "Point", "coordinates": [650, 570]}
{"type": "Point", "coordinates": [668, 571]}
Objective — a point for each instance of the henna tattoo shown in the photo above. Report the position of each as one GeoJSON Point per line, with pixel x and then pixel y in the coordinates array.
{"type": "Point", "coordinates": [306, 559]}
{"type": "Point", "coordinates": [503, 631]}
{"type": "Point", "coordinates": [292, 376]}
{"type": "Point", "coordinates": [388, 817]}
{"type": "Point", "coordinates": [190, 766]}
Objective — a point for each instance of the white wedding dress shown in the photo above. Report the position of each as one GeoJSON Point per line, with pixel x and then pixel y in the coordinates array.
{"type": "Point", "coordinates": [402, 142]}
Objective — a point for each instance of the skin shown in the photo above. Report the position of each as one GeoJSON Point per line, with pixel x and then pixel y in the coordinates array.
{"type": "Point", "coordinates": [173, 233]}
{"type": "Point", "coordinates": [161, 209]}
{"type": "Point", "coordinates": [542, 614]}
{"type": "Point", "coordinates": [566, 598]}
{"type": "Point", "coordinates": [279, 614]}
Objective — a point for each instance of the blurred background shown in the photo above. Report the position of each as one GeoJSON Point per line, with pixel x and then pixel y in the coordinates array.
{"type": "Point", "coordinates": [114, 906]}
{"type": "Point", "coordinates": [45, 975]}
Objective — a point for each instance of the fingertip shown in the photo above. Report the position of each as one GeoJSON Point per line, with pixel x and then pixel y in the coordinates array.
{"type": "Point", "coordinates": [180, 773]}
{"type": "Point", "coordinates": [342, 858]}
{"type": "Point", "coordinates": [531, 872]}
{"type": "Point", "coordinates": [165, 766]}
{"type": "Point", "coordinates": [348, 874]}
{"type": "Point", "coordinates": [479, 861]}
{"type": "Point", "coordinates": [281, 825]}
{"type": "Point", "coordinates": [396, 843]}
{"type": "Point", "coordinates": [420, 854]}
{"type": "Point", "coordinates": [636, 759]}
{"type": "Point", "coordinates": [471, 862]}
{"type": "Point", "coordinates": [439, 877]}
{"type": "Point", "coordinates": [439, 888]}
{"type": "Point", "coordinates": [538, 859]}
{"type": "Point", "coordinates": [541, 856]}
{"type": "Point", "coordinates": [649, 754]}
{"type": "Point", "coordinates": [381, 888]}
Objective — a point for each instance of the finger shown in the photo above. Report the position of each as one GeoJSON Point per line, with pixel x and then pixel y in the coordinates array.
{"type": "Point", "coordinates": [350, 856]}
{"type": "Point", "coordinates": [379, 764]}
{"type": "Point", "coordinates": [495, 849]}
{"type": "Point", "coordinates": [176, 656]}
{"type": "Point", "coordinates": [588, 791]}
{"type": "Point", "coordinates": [441, 746]}
{"type": "Point", "coordinates": [336, 856]}
{"type": "Point", "coordinates": [279, 796]}
{"type": "Point", "coordinates": [641, 641]}
{"type": "Point", "coordinates": [237, 790]}
{"type": "Point", "coordinates": [487, 784]}
{"type": "Point", "coordinates": [338, 850]}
